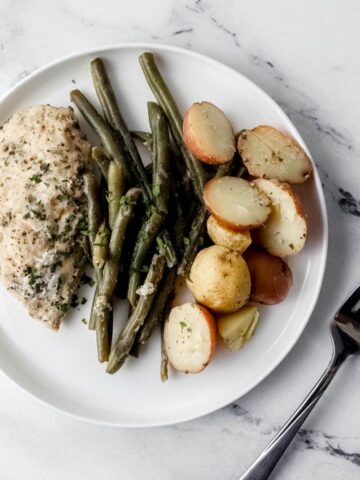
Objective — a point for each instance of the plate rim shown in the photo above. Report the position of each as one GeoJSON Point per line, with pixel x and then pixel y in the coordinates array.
{"type": "Point", "coordinates": [142, 423]}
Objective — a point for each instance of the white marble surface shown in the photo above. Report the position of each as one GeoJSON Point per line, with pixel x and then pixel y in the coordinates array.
{"type": "Point", "coordinates": [304, 54]}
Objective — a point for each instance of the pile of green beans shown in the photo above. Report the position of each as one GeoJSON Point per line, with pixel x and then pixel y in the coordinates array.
{"type": "Point", "coordinates": [167, 195]}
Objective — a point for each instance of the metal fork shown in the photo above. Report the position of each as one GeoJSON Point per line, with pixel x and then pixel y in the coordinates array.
{"type": "Point", "coordinates": [345, 332]}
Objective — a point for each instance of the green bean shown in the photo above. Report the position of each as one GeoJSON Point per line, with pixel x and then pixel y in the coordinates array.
{"type": "Point", "coordinates": [157, 311]}
{"type": "Point", "coordinates": [194, 242]}
{"type": "Point", "coordinates": [145, 239]}
{"type": "Point", "coordinates": [111, 270]}
{"type": "Point", "coordinates": [126, 338]}
{"type": "Point", "coordinates": [198, 228]}
{"type": "Point", "coordinates": [91, 189]}
{"type": "Point", "coordinates": [101, 160]}
{"type": "Point", "coordinates": [161, 157]}
{"type": "Point", "coordinates": [163, 95]}
{"type": "Point", "coordinates": [99, 125]}
{"type": "Point", "coordinates": [160, 189]}
{"type": "Point", "coordinates": [112, 113]}
{"type": "Point", "coordinates": [164, 358]}
{"type": "Point", "coordinates": [92, 321]}
{"type": "Point", "coordinates": [116, 184]}
{"type": "Point", "coordinates": [100, 247]}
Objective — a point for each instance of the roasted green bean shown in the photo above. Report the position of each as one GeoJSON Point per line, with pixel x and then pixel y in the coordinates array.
{"type": "Point", "coordinates": [163, 95]}
{"type": "Point", "coordinates": [99, 125]}
{"type": "Point", "coordinates": [161, 157]}
{"type": "Point", "coordinates": [126, 338]}
{"type": "Point", "coordinates": [112, 114]}
{"type": "Point", "coordinates": [116, 187]}
{"type": "Point", "coordinates": [101, 160]}
{"type": "Point", "coordinates": [91, 189]}
{"type": "Point", "coordinates": [145, 239]}
{"type": "Point", "coordinates": [157, 311]}
{"type": "Point", "coordinates": [111, 270]}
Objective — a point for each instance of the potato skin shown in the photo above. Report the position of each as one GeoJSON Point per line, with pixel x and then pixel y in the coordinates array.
{"type": "Point", "coordinates": [196, 127]}
{"type": "Point", "coordinates": [271, 277]}
{"type": "Point", "coordinates": [220, 279]}
{"type": "Point", "coordinates": [226, 237]}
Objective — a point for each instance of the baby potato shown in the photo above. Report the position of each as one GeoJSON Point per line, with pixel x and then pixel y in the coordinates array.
{"type": "Point", "coordinates": [237, 328]}
{"type": "Point", "coordinates": [271, 278]}
{"type": "Point", "coordinates": [208, 134]}
{"type": "Point", "coordinates": [284, 232]}
{"type": "Point", "coordinates": [268, 153]}
{"type": "Point", "coordinates": [226, 237]}
{"type": "Point", "coordinates": [220, 279]}
{"type": "Point", "coordinates": [190, 337]}
{"type": "Point", "coordinates": [236, 203]}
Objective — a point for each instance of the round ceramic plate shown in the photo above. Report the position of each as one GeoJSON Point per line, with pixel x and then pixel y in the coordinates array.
{"type": "Point", "coordinates": [61, 369]}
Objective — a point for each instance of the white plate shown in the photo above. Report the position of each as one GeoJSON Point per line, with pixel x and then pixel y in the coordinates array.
{"type": "Point", "coordinates": [61, 369]}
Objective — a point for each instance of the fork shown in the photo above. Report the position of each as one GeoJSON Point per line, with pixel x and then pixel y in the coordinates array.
{"type": "Point", "coordinates": [345, 332]}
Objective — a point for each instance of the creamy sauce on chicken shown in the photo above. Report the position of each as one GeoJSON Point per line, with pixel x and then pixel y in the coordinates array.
{"type": "Point", "coordinates": [42, 209]}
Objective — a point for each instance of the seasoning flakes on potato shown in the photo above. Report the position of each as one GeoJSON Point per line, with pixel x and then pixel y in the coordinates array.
{"type": "Point", "coordinates": [284, 233]}
{"type": "Point", "coordinates": [268, 153]}
{"type": "Point", "coordinates": [236, 203]}
{"type": "Point", "coordinates": [190, 337]}
{"type": "Point", "coordinates": [219, 279]}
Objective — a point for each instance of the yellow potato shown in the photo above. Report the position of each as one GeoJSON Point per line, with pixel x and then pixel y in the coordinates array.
{"type": "Point", "coordinates": [220, 279]}
{"type": "Point", "coordinates": [226, 237]}
{"type": "Point", "coordinates": [237, 328]}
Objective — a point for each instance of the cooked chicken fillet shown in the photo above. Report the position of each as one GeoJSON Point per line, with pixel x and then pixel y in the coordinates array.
{"type": "Point", "coordinates": [42, 209]}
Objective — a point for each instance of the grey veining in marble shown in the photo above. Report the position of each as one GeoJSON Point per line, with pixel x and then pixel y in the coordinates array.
{"type": "Point", "coordinates": [303, 53]}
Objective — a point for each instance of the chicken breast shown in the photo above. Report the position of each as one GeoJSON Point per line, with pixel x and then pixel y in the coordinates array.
{"type": "Point", "coordinates": [42, 209]}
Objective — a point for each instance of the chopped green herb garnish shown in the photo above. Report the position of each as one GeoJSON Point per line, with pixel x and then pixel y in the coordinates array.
{"type": "Point", "coordinates": [74, 302]}
{"type": "Point", "coordinates": [35, 178]}
{"type": "Point", "coordinates": [86, 280]}
{"type": "Point", "coordinates": [182, 324]}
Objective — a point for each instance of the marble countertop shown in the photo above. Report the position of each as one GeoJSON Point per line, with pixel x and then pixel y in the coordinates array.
{"type": "Point", "coordinates": [303, 54]}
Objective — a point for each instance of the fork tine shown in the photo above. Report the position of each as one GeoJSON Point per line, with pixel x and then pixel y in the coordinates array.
{"type": "Point", "coordinates": [352, 304]}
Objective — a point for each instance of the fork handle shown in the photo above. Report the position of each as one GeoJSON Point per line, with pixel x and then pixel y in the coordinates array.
{"type": "Point", "coordinates": [268, 459]}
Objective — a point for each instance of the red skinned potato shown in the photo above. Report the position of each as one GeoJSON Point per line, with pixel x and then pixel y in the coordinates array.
{"type": "Point", "coordinates": [271, 278]}
{"type": "Point", "coordinates": [190, 337]}
{"type": "Point", "coordinates": [268, 153]}
{"type": "Point", "coordinates": [236, 203]}
{"type": "Point", "coordinates": [284, 232]}
{"type": "Point", "coordinates": [208, 134]}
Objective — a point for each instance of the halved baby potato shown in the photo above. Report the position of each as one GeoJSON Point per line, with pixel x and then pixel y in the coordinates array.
{"type": "Point", "coordinates": [236, 203]}
{"type": "Point", "coordinates": [237, 328]}
{"type": "Point", "coordinates": [268, 153]}
{"type": "Point", "coordinates": [190, 337]}
{"type": "Point", "coordinates": [271, 278]}
{"type": "Point", "coordinates": [226, 237]}
{"type": "Point", "coordinates": [284, 233]}
{"type": "Point", "coordinates": [208, 134]}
